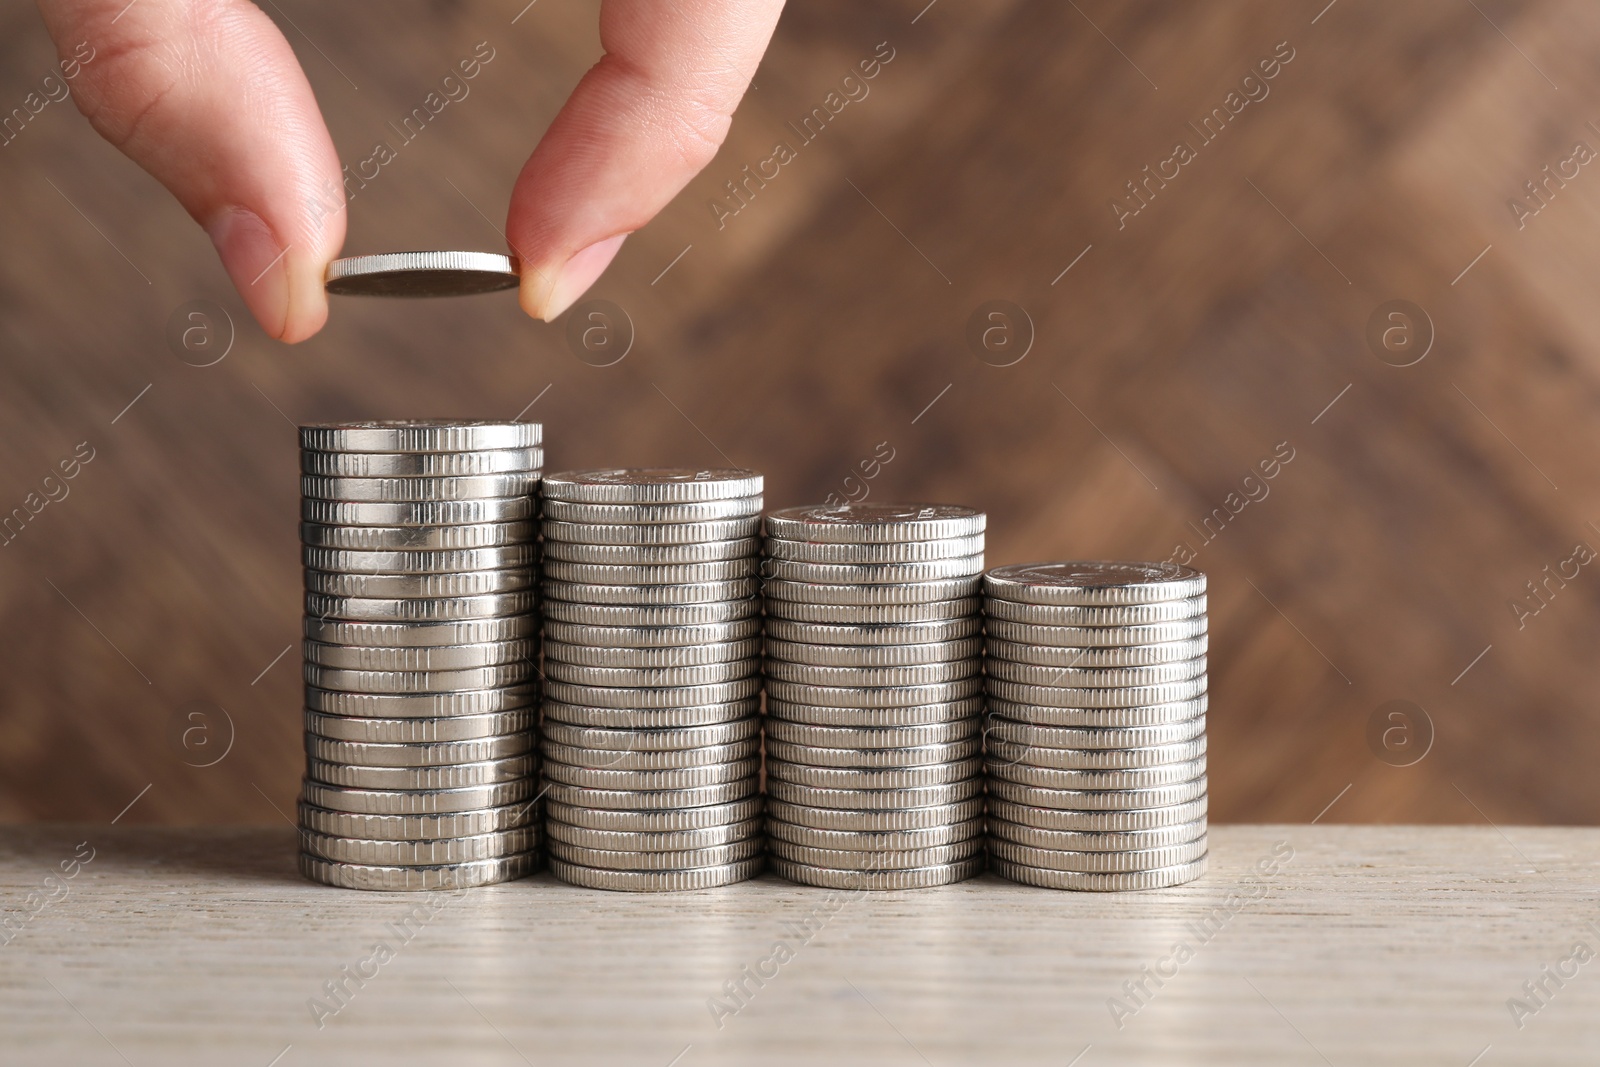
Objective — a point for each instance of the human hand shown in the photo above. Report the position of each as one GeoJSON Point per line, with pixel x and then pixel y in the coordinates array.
{"type": "Point", "coordinates": [207, 96]}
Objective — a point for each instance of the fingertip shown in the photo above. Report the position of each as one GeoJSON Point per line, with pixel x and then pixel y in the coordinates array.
{"type": "Point", "coordinates": [547, 292]}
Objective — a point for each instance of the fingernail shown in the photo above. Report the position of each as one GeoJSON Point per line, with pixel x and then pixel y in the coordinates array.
{"type": "Point", "coordinates": [545, 295]}
{"type": "Point", "coordinates": [257, 263]}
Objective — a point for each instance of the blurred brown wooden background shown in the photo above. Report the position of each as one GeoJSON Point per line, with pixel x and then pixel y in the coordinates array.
{"type": "Point", "coordinates": [831, 312]}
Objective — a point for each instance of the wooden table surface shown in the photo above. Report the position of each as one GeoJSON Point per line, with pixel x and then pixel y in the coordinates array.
{"type": "Point", "coordinates": [1359, 945]}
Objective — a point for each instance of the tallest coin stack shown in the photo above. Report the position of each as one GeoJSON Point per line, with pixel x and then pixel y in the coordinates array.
{"type": "Point", "coordinates": [420, 640]}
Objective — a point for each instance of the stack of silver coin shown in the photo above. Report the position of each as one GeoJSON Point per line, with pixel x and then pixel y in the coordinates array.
{"type": "Point", "coordinates": [421, 553]}
{"type": "Point", "coordinates": [874, 705]}
{"type": "Point", "coordinates": [1096, 742]}
{"type": "Point", "coordinates": [651, 739]}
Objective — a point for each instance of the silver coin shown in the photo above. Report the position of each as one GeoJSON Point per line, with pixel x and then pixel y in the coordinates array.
{"type": "Point", "coordinates": [891, 574]}
{"type": "Point", "coordinates": [386, 515]}
{"type": "Point", "coordinates": [418, 879]}
{"type": "Point", "coordinates": [672, 718]}
{"type": "Point", "coordinates": [659, 615]}
{"type": "Point", "coordinates": [471, 538]}
{"type": "Point", "coordinates": [368, 754]}
{"type": "Point", "coordinates": [650, 595]}
{"type": "Point", "coordinates": [432, 853]}
{"type": "Point", "coordinates": [1097, 636]}
{"type": "Point", "coordinates": [452, 776]}
{"type": "Point", "coordinates": [653, 780]}
{"type": "Point", "coordinates": [776, 586]}
{"type": "Point", "coordinates": [657, 881]}
{"type": "Point", "coordinates": [964, 710]}
{"type": "Point", "coordinates": [663, 821]}
{"type": "Point", "coordinates": [872, 677]}
{"type": "Point", "coordinates": [798, 612]}
{"type": "Point", "coordinates": [865, 594]}
{"type": "Point", "coordinates": [653, 658]}
{"type": "Point", "coordinates": [1079, 697]}
{"type": "Point", "coordinates": [1009, 735]}
{"type": "Point", "coordinates": [874, 523]}
{"type": "Point", "coordinates": [649, 759]}
{"type": "Point", "coordinates": [898, 696]}
{"type": "Point", "coordinates": [1067, 656]}
{"type": "Point", "coordinates": [1077, 778]}
{"type": "Point", "coordinates": [1095, 677]}
{"type": "Point", "coordinates": [1081, 615]}
{"type": "Point", "coordinates": [874, 840]}
{"type": "Point", "coordinates": [374, 682]}
{"type": "Point", "coordinates": [906, 756]}
{"type": "Point", "coordinates": [1138, 820]}
{"type": "Point", "coordinates": [629, 575]}
{"type": "Point", "coordinates": [874, 799]}
{"type": "Point", "coordinates": [415, 731]}
{"type": "Point", "coordinates": [739, 548]}
{"type": "Point", "coordinates": [678, 860]}
{"type": "Point", "coordinates": [423, 561]}
{"type": "Point", "coordinates": [888, 860]}
{"type": "Point", "coordinates": [1099, 883]}
{"type": "Point", "coordinates": [891, 552]}
{"type": "Point", "coordinates": [420, 435]}
{"type": "Point", "coordinates": [414, 828]}
{"type": "Point", "coordinates": [420, 464]}
{"type": "Point", "coordinates": [1146, 859]}
{"type": "Point", "coordinates": [421, 634]}
{"type": "Point", "coordinates": [420, 609]}
{"type": "Point", "coordinates": [1079, 841]}
{"type": "Point", "coordinates": [886, 820]}
{"type": "Point", "coordinates": [874, 655]}
{"type": "Point", "coordinates": [414, 274]}
{"type": "Point", "coordinates": [1094, 583]}
{"type": "Point", "coordinates": [681, 696]}
{"type": "Point", "coordinates": [916, 878]}
{"type": "Point", "coordinates": [654, 840]}
{"type": "Point", "coordinates": [845, 778]}
{"type": "Point", "coordinates": [1113, 718]}
{"type": "Point", "coordinates": [418, 490]}
{"type": "Point", "coordinates": [416, 801]}
{"type": "Point", "coordinates": [650, 637]}
{"type": "Point", "coordinates": [666, 533]}
{"type": "Point", "coordinates": [420, 586]}
{"type": "Point", "coordinates": [913, 633]}
{"type": "Point", "coordinates": [856, 739]}
{"type": "Point", "coordinates": [651, 485]}
{"type": "Point", "coordinates": [634, 800]}
{"type": "Point", "coordinates": [420, 705]}
{"type": "Point", "coordinates": [1121, 800]}
{"type": "Point", "coordinates": [667, 739]}
{"type": "Point", "coordinates": [434, 658]}
{"type": "Point", "coordinates": [1107, 759]}
{"type": "Point", "coordinates": [651, 677]}
{"type": "Point", "coordinates": [740, 507]}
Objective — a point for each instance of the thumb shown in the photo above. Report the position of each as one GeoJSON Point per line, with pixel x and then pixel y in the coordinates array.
{"type": "Point", "coordinates": [207, 96]}
{"type": "Point", "coordinates": [642, 122]}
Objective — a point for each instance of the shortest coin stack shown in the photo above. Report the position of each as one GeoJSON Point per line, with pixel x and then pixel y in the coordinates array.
{"type": "Point", "coordinates": [1096, 744]}
{"type": "Point", "coordinates": [420, 641]}
{"type": "Point", "coordinates": [652, 741]}
{"type": "Point", "coordinates": [873, 664]}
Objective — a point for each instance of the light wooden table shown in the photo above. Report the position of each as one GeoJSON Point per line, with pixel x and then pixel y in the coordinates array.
{"type": "Point", "coordinates": [1370, 945]}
